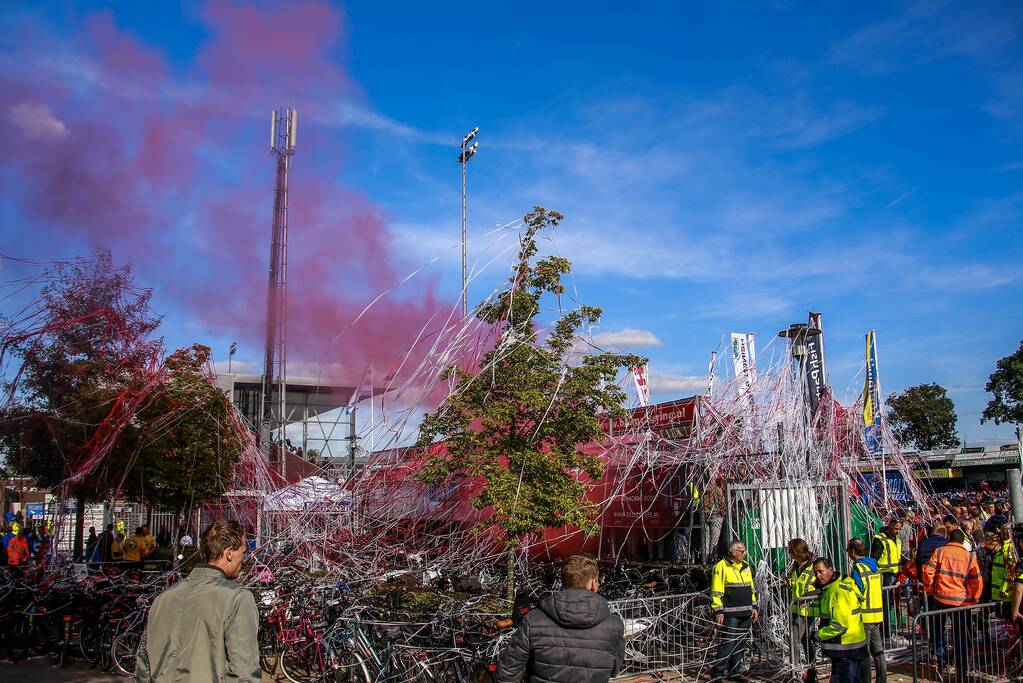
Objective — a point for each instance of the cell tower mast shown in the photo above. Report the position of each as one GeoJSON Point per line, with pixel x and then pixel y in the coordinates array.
{"type": "Point", "coordinates": [283, 125]}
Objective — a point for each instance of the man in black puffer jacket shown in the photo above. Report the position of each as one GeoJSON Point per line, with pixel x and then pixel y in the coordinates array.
{"type": "Point", "coordinates": [571, 638]}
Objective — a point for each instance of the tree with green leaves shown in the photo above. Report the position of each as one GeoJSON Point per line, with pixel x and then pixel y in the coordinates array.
{"type": "Point", "coordinates": [924, 416]}
{"type": "Point", "coordinates": [188, 447]}
{"type": "Point", "coordinates": [1006, 387]}
{"type": "Point", "coordinates": [91, 344]}
{"type": "Point", "coordinates": [513, 426]}
{"type": "Point", "coordinates": [91, 351]}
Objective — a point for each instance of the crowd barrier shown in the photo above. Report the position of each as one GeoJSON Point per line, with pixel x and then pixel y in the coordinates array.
{"type": "Point", "coordinates": [677, 633]}
{"type": "Point", "coordinates": [902, 604]}
{"type": "Point", "coordinates": [965, 643]}
{"type": "Point", "coordinates": [665, 632]}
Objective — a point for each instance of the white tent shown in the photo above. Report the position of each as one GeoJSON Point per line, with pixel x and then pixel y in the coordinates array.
{"type": "Point", "coordinates": [308, 495]}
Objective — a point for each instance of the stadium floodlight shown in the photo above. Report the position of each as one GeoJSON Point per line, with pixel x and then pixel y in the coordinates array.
{"type": "Point", "coordinates": [463, 158]}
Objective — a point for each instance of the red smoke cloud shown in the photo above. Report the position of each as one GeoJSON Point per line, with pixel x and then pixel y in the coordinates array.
{"type": "Point", "coordinates": [164, 161]}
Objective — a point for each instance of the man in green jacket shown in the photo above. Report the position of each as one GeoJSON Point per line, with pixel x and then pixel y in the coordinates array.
{"type": "Point", "coordinates": [206, 627]}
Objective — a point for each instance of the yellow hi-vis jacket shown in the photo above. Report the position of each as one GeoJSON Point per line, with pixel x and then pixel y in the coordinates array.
{"type": "Point", "coordinates": [890, 561]}
{"type": "Point", "coordinates": [841, 623]}
{"type": "Point", "coordinates": [804, 587]}
{"type": "Point", "coordinates": [1001, 572]}
{"type": "Point", "coordinates": [731, 587]}
{"type": "Point", "coordinates": [871, 608]}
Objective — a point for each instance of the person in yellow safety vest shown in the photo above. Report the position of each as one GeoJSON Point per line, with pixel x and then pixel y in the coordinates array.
{"type": "Point", "coordinates": [886, 548]}
{"type": "Point", "coordinates": [867, 578]}
{"type": "Point", "coordinates": [733, 600]}
{"type": "Point", "coordinates": [805, 598]}
{"type": "Point", "coordinates": [841, 634]}
{"type": "Point", "coordinates": [1003, 569]}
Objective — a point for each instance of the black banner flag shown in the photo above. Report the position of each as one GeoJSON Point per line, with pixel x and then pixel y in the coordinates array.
{"type": "Point", "coordinates": [816, 377]}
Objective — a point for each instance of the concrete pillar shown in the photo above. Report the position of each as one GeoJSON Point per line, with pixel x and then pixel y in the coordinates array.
{"type": "Point", "coordinates": [1015, 494]}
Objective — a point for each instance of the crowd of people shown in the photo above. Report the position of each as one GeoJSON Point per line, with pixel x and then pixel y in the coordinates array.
{"type": "Point", "coordinates": [970, 555]}
{"type": "Point", "coordinates": [967, 557]}
{"type": "Point", "coordinates": [114, 546]}
{"type": "Point", "coordinates": [25, 544]}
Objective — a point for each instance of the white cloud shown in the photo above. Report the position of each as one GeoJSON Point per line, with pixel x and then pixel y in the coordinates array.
{"type": "Point", "coordinates": [628, 338]}
{"type": "Point", "coordinates": [37, 121]}
{"type": "Point", "coordinates": [243, 367]}
{"type": "Point", "coordinates": [664, 383]}
{"type": "Point", "coordinates": [966, 276]}
{"type": "Point", "coordinates": [349, 114]}
{"type": "Point", "coordinates": [751, 305]}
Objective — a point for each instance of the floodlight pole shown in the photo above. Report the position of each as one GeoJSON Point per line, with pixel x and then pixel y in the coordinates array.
{"type": "Point", "coordinates": [463, 158]}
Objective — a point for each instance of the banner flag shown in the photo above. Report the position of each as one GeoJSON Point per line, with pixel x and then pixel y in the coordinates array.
{"type": "Point", "coordinates": [642, 385]}
{"type": "Point", "coordinates": [751, 350]}
{"type": "Point", "coordinates": [872, 399]}
{"type": "Point", "coordinates": [816, 373]}
{"type": "Point", "coordinates": [710, 372]}
{"type": "Point", "coordinates": [744, 361]}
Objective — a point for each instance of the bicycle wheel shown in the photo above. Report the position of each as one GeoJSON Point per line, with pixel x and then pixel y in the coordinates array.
{"type": "Point", "coordinates": [269, 650]}
{"type": "Point", "coordinates": [47, 632]}
{"type": "Point", "coordinates": [303, 662]}
{"type": "Point", "coordinates": [461, 671]}
{"type": "Point", "coordinates": [348, 667]}
{"type": "Point", "coordinates": [18, 638]}
{"type": "Point", "coordinates": [482, 673]}
{"type": "Point", "coordinates": [124, 650]}
{"type": "Point", "coordinates": [90, 640]}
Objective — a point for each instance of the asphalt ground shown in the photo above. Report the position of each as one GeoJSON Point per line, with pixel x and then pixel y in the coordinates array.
{"type": "Point", "coordinates": [39, 670]}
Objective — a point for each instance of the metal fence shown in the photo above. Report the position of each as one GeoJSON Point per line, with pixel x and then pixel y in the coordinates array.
{"type": "Point", "coordinates": [670, 632]}
{"type": "Point", "coordinates": [965, 643]}
{"type": "Point", "coordinates": [903, 604]}
{"type": "Point", "coordinates": [766, 516]}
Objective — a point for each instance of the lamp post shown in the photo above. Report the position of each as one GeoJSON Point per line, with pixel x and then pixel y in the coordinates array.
{"type": "Point", "coordinates": [463, 158]}
{"type": "Point", "coordinates": [797, 333]}
{"type": "Point", "coordinates": [230, 355]}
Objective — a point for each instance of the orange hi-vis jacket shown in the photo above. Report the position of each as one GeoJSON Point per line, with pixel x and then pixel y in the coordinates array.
{"type": "Point", "coordinates": [952, 576]}
{"type": "Point", "coordinates": [17, 551]}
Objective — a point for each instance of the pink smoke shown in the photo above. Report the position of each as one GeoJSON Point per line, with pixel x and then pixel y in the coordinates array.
{"type": "Point", "coordinates": [165, 163]}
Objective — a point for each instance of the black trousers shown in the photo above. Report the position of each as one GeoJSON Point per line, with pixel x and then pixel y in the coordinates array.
{"type": "Point", "coordinates": [733, 635]}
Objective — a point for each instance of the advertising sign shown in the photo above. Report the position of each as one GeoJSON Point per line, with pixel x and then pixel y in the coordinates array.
{"type": "Point", "coordinates": [816, 377]}
{"type": "Point", "coordinates": [744, 359]}
{"type": "Point", "coordinates": [642, 385]}
{"type": "Point", "coordinates": [872, 399]}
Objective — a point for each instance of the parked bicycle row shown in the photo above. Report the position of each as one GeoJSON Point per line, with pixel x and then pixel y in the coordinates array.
{"type": "Point", "coordinates": [98, 616]}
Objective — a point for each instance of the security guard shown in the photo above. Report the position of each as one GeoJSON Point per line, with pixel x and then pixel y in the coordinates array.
{"type": "Point", "coordinates": [1003, 567]}
{"type": "Point", "coordinates": [805, 598]}
{"type": "Point", "coordinates": [841, 634]}
{"type": "Point", "coordinates": [868, 581]}
{"type": "Point", "coordinates": [734, 602]}
{"type": "Point", "coordinates": [886, 548]}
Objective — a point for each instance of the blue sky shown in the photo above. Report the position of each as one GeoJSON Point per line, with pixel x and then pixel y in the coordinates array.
{"type": "Point", "coordinates": [721, 168]}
